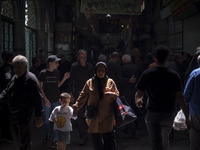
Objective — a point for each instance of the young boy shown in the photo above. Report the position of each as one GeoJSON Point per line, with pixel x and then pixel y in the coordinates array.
{"type": "Point", "coordinates": [61, 116]}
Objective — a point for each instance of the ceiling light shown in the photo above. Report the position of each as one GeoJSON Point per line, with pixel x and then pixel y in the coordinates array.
{"type": "Point", "coordinates": [108, 15]}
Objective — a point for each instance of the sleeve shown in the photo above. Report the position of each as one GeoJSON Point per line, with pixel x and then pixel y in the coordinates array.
{"type": "Point", "coordinates": [112, 87]}
{"type": "Point", "coordinates": [83, 96]}
{"type": "Point", "coordinates": [53, 114]}
{"type": "Point", "coordinates": [38, 98]}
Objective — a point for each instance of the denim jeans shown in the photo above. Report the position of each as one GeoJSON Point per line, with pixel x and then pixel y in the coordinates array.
{"type": "Point", "coordinates": [46, 115]}
{"type": "Point", "coordinates": [159, 126]}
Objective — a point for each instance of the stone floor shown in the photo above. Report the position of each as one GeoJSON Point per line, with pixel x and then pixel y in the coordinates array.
{"type": "Point", "coordinates": [125, 141]}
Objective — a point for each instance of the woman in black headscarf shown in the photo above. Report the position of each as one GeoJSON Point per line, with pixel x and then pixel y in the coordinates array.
{"type": "Point", "coordinates": [100, 91]}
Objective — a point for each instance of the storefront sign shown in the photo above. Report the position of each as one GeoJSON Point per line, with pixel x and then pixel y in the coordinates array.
{"type": "Point", "coordinates": [132, 7]}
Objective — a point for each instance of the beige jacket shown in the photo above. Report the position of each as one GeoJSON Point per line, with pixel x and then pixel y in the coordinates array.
{"type": "Point", "coordinates": [105, 118]}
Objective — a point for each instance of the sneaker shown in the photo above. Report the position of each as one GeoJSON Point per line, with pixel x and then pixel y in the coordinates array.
{"type": "Point", "coordinates": [54, 144]}
{"type": "Point", "coordinates": [46, 139]}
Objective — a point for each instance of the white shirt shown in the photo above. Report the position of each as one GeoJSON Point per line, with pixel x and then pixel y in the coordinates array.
{"type": "Point", "coordinates": [64, 115]}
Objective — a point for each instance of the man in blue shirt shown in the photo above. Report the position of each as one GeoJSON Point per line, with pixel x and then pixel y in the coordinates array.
{"type": "Point", "coordinates": [192, 95]}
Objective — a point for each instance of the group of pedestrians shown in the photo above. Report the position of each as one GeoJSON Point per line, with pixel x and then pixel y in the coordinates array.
{"type": "Point", "coordinates": [86, 92]}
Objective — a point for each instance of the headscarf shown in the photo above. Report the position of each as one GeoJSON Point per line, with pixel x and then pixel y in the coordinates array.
{"type": "Point", "coordinates": [96, 67]}
{"type": "Point", "coordinates": [100, 81]}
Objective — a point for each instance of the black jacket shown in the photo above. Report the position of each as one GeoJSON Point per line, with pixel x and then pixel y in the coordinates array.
{"type": "Point", "coordinates": [23, 96]}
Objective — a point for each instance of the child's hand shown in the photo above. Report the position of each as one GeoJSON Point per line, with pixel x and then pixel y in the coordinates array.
{"type": "Point", "coordinates": [59, 124]}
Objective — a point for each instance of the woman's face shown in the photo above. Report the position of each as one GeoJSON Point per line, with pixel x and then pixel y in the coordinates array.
{"type": "Point", "coordinates": [101, 71]}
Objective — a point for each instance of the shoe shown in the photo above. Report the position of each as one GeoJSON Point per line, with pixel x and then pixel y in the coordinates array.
{"type": "Point", "coordinates": [83, 141]}
{"type": "Point", "coordinates": [54, 144]}
{"type": "Point", "coordinates": [46, 139]}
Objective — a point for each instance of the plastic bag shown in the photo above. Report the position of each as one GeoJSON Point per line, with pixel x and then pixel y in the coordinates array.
{"type": "Point", "coordinates": [179, 121]}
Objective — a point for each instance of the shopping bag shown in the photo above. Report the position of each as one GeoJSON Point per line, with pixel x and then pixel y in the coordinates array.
{"type": "Point", "coordinates": [123, 112]}
{"type": "Point", "coordinates": [179, 121]}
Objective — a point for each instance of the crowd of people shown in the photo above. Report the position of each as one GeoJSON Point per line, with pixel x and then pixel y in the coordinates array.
{"type": "Point", "coordinates": [56, 89]}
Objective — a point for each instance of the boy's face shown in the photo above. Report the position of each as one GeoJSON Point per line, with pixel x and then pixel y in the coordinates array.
{"type": "Point", "coordinates": [68, 100]}
{"type": "Point", "coordinates": [65, 101]}
{"type": "Point", "coordinates": [54, 64]}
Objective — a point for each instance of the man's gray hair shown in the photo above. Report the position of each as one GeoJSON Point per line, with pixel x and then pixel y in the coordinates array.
{"type": "Point", "coordinates": [20, 59]}
{"type": "Point", "coordinates": [80, 51]}
{"type": "Point", "coordinates": [126, 58]}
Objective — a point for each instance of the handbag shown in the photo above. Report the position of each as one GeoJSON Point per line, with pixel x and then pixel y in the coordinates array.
{"type": "Point", "coordinates": [123, 112]}
{"type": "Point", "coordinates": [179, 121]}
{"type": "Point", "coordinates": [90, 112]}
